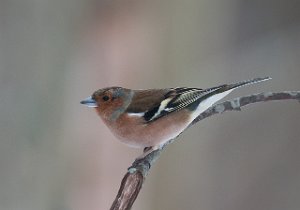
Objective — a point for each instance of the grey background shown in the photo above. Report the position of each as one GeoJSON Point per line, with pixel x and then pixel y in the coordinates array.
{"type": "Point", "coordinates": [57, 154]}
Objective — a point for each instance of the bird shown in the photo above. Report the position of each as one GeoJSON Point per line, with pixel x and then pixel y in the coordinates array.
{"type": "Point", "coordinates": [152, 117]}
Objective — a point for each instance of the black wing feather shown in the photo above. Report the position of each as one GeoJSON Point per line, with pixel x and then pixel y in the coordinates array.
{"type": "Point", "coordinates": [180, 98]}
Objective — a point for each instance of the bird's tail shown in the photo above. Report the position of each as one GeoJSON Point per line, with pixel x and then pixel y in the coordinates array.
{"type": "Point", "coordinates": [246, 82]}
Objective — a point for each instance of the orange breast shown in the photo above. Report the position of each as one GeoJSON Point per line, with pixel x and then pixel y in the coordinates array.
{"type": "Point", "coordinates": [133, 131]}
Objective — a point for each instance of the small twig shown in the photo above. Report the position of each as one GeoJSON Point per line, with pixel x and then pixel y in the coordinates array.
{"type": "Point", "coordinates": [134, 178]}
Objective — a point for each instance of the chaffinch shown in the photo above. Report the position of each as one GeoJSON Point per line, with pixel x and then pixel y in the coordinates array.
{"type": "Point", "coordinates": [150, 118]}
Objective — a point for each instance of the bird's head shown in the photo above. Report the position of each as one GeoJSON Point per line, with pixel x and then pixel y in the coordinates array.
{"type": "Point", "coordinates": [109, 102]}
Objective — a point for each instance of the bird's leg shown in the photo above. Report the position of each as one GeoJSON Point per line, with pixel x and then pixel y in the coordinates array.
{"type": "Point", "coordinates": [147, 151]}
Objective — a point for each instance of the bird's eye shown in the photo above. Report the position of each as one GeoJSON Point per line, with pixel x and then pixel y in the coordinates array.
{"type": "Point", "coordinates": [105, 98]}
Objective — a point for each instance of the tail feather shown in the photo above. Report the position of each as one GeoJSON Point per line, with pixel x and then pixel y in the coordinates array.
{"type": "Point", "coordinates": [247, 82]}
{"type": "Point", "coordinates": [217, 93]}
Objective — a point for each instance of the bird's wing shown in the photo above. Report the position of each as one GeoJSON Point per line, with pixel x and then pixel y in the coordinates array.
{"type": "Point", "coordinates": [156, 103]}
{"type": "Point", "coordinates": [145, 100]}
{"type": "Point", "coordinates": [177, 99]}
{"type": "Point", "coordinates": [153, 104]}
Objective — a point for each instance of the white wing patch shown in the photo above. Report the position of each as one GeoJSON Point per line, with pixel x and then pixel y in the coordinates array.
{"type": "Point", "coordinates": [162, 107]}
{"type": "Point", "coordinates": [138, 114]}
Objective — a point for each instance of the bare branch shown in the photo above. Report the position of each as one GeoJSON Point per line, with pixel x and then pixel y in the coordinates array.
{"type": "Point", "coordinates": [134, 178]}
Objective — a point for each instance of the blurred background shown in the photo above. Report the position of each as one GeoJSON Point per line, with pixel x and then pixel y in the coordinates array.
{"type": "Point", "coordinates": [57, 155]}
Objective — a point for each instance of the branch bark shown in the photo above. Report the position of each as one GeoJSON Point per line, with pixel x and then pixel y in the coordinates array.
{"type": "Point", "coordinates": [133, 180]}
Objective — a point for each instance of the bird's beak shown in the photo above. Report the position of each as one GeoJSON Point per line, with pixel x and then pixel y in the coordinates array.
{"type": "Point", "coordinates": [89, 102]}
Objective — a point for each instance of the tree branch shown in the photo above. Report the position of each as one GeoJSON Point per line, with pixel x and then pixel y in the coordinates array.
{"type": "Point", "coordinates": [133, 180]}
